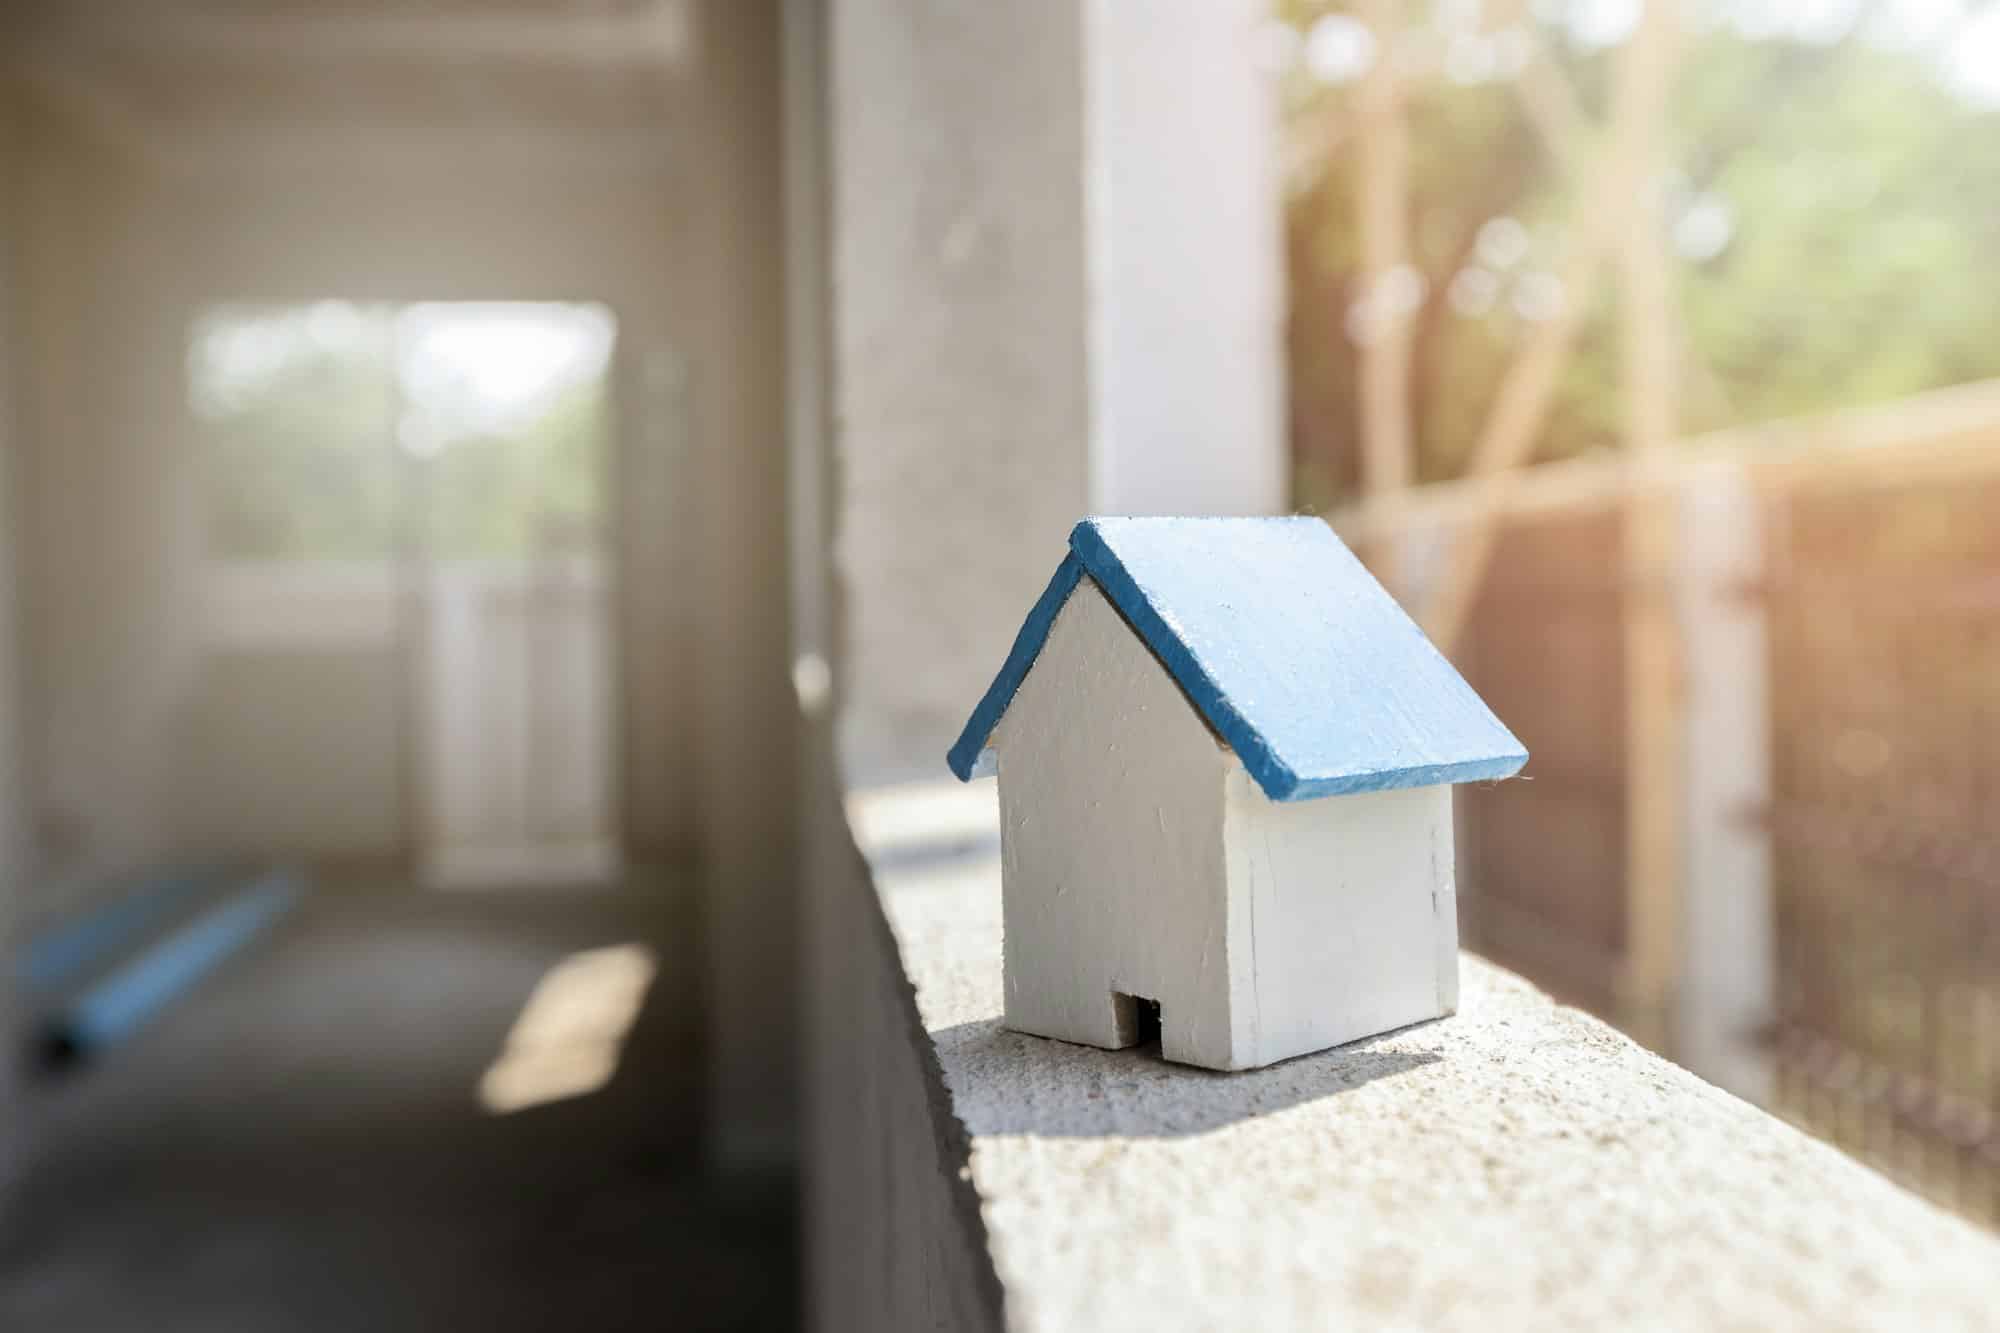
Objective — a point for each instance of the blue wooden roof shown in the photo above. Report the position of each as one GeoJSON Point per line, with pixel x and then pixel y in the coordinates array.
{"type": "Point", "coordinates": [1297, 657]}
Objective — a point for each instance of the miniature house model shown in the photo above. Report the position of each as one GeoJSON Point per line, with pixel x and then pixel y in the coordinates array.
{"type": "Point", "coordinates": [1225, 759]}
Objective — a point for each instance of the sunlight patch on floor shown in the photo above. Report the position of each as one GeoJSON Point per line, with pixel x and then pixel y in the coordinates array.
{"type": "Point", "coordinates": [567, 1041]}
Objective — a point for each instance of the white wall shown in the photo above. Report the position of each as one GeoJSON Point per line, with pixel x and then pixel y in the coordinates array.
{"type": "Point", "coordinates": [289, 734]}
{"type": "Point", "coordinates": [93, 495]}
{"type": "Point", "coordinates": [1055, 287]}
{"type": "Point", "coordinates": [121, 683]}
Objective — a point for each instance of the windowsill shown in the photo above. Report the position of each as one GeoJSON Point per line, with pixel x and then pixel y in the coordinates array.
{"type": "Point", "coordinates": [1517, 1165]}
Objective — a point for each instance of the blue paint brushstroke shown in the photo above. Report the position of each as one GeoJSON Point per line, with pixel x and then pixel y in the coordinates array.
{"type": "Point", "coordinates": [967, 757]}
{"type": "Point", "coordinates": [59, 955]}
{"type": "Point", "coordinates": [1285, 643]}
{"type": "Point", "coordinates": [132, 996]}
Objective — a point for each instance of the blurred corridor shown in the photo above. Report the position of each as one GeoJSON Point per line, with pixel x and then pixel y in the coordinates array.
{"type": "Point", "coordinates": [302, 1145]}
{"type": "Point", "coordinates": [392, 644]}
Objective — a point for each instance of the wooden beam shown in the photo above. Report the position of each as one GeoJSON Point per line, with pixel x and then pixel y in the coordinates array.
{"type": "Point", "coordinates": [1382, 335]}
{"type": "Point", "coordinates": [1646, 334]}
{"type": "Point", "coordinates": [1507, 440]}
{"type": "Point", "coordinates": [1655, 749]}
{"type": "Point", "coordinates": [1943, 435]}
{"type": "Point", "coordinates": [1727, 996]}
{"type": "Point", "coordinates": [1544, 92]}
{"type": "Point", "coordinates": [1312, 147]}
{"type": "Point", "coordinates": [1554, 108]}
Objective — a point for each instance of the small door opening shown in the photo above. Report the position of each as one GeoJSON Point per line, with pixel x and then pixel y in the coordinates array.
{"type": "Point", "coordinates": [1137, 1019]}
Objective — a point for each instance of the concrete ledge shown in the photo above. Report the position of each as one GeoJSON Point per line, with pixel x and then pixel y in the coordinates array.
{"type": "Point", "coordinates": [1520, 1165]}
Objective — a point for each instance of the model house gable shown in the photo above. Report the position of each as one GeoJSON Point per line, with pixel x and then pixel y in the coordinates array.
{"type": "Point", "coordinates": [1284, 643]}
{"type": "Point", "coordinates": [1097, 683]}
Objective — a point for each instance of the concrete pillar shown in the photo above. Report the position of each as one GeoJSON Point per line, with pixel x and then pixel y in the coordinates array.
{"type": "Point", "coordinates": [748, 716]}
{"type": "Point", "coordinates": [1728, 987]}
{"type": "Point", "coordinates": [13, 823]}
{"type": "Point", "coordinates": [1184, 284]}
{"type": "Point", "coordinates": [1056, 291]}
{"type": "Point", "coordinates": [14, 860]}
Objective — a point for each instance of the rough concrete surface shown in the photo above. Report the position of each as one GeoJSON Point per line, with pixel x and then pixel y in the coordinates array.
{"type": "Point", "coordinates": [1520, 1165]}
{"type": "Point", "coordinates": [1007, 357]}
{"type": "Point", "coordinates": [299, 1146]}
{"type": "Point", "coordinates": [894, 1239]}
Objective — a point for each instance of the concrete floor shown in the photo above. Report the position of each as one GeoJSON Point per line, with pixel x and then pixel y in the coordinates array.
{"type": "Point", "coordinates": [298, 1145]}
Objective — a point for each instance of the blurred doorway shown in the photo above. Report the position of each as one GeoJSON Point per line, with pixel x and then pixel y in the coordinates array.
{"type": "Point", "coordinates": [407, 561]}
{"type": "Point", "coordinates": [505, 415]}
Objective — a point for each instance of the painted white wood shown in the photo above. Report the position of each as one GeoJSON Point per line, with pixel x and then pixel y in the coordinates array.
{"type": "Point", "coordinates": [1111, 791]}
{"type": "Point", "coordinates": [1729, 993]}
{"type": "Point", "coordinates": [1140, 859]}
{"type": "Point", "coordinates": [1347, 915]}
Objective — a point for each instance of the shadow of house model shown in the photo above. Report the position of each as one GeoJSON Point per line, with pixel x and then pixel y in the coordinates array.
{"type": "Point", "coordinates": [1225, 759]}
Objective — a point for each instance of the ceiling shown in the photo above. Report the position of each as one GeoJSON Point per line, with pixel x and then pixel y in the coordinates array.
{"type": "Point", "coordinates": [272, 82]}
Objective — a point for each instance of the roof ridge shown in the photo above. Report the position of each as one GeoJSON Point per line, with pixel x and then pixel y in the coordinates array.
{"type": "Point", "coordinates": [1206, 695]}
{"type": "Point", "coordinates": [1292, 653]}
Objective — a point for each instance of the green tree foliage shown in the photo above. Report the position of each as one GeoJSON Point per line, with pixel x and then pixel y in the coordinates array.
{"type": "Point", "coordinates": [532, 489]}
{"type": "Point", "coordinates": [1832, 203]}
{"type": "Point", "coordinates": [298, 417]}
{"type": "Point", "coordinates": [315, 451]}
